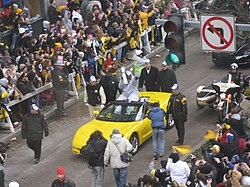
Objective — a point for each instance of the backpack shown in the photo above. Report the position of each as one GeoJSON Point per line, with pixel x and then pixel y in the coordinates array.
{"type": "Point", "coordinates": [89, 155]}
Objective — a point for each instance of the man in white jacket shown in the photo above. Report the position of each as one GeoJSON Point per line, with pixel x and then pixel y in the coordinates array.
{"type": "Point", "coordinates": [179, 170]}
{"type": "Point", "coordinates": [117, 145]}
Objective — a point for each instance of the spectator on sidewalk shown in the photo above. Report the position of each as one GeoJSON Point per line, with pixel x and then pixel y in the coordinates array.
{"type": "Point", "coordinates": [179, 170]}
{"type": "Point", "coordinates": [25, 86]}
{"type": "Point", "coordinates": [166, 78]}
{"type": "Point", "coordinates": [94, 96]}
{"type": "Point", "coordinates": [99, 144]}
{"type": "Point", "coordinates": [60, 83]}
{"type": "Point", "coordinates": [62, 180]}
{"type": "Point", "coordinates": [53, 14]}
{"type": "Point", "coordinates": [110, 86]}
{"type": "Point", "coordinates": [149, 77]}
{"type": "Point", "coordinates": [34, 126]}
{"type": "Point", "coordinates": [117, 145]}
{"type": "Point", "coordinates": [156, 115]}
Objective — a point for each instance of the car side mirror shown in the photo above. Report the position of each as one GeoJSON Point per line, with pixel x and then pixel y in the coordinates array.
{"type": "Point", "coordinates": [96, 112]}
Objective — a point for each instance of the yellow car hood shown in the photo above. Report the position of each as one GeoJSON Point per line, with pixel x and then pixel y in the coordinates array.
{"type": "Point", "coordinates": [83, 133]}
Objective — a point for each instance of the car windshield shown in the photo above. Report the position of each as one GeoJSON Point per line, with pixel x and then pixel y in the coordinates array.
{"type": "Point", "coordinates": [122, 112]}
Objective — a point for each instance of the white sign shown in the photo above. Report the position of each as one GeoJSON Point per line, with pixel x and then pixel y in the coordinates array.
{"type": "Point", "coordinates": [218, 33]}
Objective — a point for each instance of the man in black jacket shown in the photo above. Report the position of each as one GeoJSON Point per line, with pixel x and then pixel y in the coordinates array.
{"type": "Point", "coordinates": [110, 86]}
{"type": "Point", "coordinates": [149, 77]}
{"type": "Point", "coordinates": [177, 107]}
{"type": "Point", "coordinates": [99, 144]}
{"type": "Point", "coordinates": [166, 78]}
{"type": "Point", "coordinates": [60, 82]}
{"type": "Point", "coordinates": [52, 13]}
{"type": "Point", "coordinates": [62, 180]}
{"type": "Point", "coordinates": [34, 125]}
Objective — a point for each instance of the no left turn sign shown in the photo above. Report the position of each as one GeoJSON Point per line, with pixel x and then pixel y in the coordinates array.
{"type": "Point", "coordinates": [218, 33]}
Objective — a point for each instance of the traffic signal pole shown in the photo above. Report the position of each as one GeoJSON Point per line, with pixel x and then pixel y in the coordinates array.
{"type": "Point", "coordinates": [196, 24]}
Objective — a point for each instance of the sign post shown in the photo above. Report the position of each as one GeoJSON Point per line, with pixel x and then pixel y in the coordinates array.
{"type": "Point", "coordinates": [218, 33]}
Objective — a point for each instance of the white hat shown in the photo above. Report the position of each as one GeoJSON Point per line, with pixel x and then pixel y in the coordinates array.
{"type": "Point", "coordinates": [146, 60]}
{"type": "Point", "coordinates": [175, 87]}
{"type": "Point", "coordinates": [234, 66]}
{"type": "Point", "coordinates": [13, 184]}
{"type": "Point", "coordinates": [128, 73]}
{"type": "Point", "coordinates": [92, 78]}
{"type": "Point", "coordinates": [81, 54]}
{"type": "Point", "coordinates": [138, 52]}
{"type": "Point", "coordinates": [34, 107]}
{"type": "Point", "coordinates": [164, 63]}
{"type": "Point", "coordinates": [21, 30]}
{"type": "Point", "coordinates": [245, 180]}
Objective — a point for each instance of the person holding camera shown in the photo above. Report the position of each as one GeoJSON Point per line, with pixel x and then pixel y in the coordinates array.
{"type": "Point", "coordinates": [115, 147]}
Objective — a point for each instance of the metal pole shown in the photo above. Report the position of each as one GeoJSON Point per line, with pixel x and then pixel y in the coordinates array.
{"type": "Point", "coordinates": [196, 24]}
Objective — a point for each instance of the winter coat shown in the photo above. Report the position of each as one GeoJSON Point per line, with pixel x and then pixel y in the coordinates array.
{"type": "Point", "coordinates": [33, 126]}
{"type": "Point", "coordinates": [112, 154]}
{"type": "Point", "coordinates": [149, 79]}
{"type": "Point", "coordinates": [67, 183]}
{"type": "Point", "coordinates": [166, 80]}
{"type": "Point", "coordinates": [99, 146]}
{"type": "Point", "coordinates": [157, 117]}
{"type": "Point", "coordinates": [59, 79]}
{"type": "Point", "coordinates": [177, 106]}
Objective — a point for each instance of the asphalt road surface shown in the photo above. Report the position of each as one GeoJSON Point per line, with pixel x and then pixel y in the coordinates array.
{"type": "Point", "coordinates": [56, 149]}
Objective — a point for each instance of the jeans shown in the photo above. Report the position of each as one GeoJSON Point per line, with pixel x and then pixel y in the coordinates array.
{"type": "Point", "coordinates": [119, 54]}
{"type": "Point", "coordinates": [120, 176]}
{"type": "Point", "coordinates": [158, 136]}
{"type": "Point", "coordinates": [97, 174]}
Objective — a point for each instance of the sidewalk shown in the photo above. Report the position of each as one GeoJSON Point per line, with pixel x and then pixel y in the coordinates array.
{"type": "Point", "coordinates": [5, 135]}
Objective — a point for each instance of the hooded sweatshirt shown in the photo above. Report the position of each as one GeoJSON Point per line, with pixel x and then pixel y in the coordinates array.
{"type": "Point", "coordinates": [157, 117]}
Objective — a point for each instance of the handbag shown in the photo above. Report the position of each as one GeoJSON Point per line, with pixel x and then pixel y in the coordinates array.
{"type": "Point", "coordinates": [125, 157]}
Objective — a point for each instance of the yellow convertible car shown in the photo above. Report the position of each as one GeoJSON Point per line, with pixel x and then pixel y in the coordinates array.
{"type": "Point", "coordinates": [129, 117]}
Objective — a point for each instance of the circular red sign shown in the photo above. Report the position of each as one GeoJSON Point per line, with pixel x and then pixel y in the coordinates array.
{"type": "Point", "coordinates": [208, 23]}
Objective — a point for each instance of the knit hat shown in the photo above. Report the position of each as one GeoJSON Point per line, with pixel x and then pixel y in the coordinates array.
{"type": "Point", "coordinates": [175, 157]}
{"type": "Point", "coordinates": [60, 171]}
{"type": "Point", "coordinates": [230, 137]}
{"type": "Point", "coordinates": [115, 131]}
{"type": "Point", "coordinates": [13, 184]}
{"type": "Point", "coordinates": [216, 149]}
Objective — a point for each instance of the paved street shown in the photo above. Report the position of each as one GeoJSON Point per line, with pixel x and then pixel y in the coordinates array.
{"type": "Point", "coordinates": [56, 150]}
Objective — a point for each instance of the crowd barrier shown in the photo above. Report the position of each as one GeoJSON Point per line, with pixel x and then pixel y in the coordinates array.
{"type": "Point", "coordinates": [8, 123]}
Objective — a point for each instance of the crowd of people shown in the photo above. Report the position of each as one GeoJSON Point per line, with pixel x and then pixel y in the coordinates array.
{"type": "Point", "coordinates": [70, 42]}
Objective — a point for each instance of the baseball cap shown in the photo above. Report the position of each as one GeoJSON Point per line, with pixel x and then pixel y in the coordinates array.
{"type": "Point", "coordinates": [92, 78]}
{"type": "Point", "coordinates": [128, 73]}
{"type": "Point", "coordinates": [34, 107]}
{"type": "Point", "coordinates": [175, 87]}
{"type": "Point", "coordinates": [164, 63]}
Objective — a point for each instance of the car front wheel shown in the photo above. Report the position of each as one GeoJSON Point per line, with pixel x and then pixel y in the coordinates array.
{"type": "Point", "coordinates": [135, 143]}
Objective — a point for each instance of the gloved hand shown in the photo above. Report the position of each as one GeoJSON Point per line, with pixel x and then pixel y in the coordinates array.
{"type": "Point", "coordinates": [46, 134]}
{"type": "Point", "coordinates": [86, 104]}
{"type": "Point", "coordinates": [102, 106]}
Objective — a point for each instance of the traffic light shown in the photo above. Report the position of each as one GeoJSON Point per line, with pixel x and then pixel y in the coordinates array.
{"type": "Point", "coordinates": [175, 40]}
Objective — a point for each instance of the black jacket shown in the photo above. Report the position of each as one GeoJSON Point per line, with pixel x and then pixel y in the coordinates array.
{"type": "Point", "coordinates": [99, 146]}
{"type": "Point", "coordinates": [177, 106]}
{"type": "Point", "coordinates": [53, 14]}
{"type": "Point", "coordinates": [110, 86]}
{"type": "Point", "coordinates": [166, 80]}
{"type": "Point", "coordinates": [59, 79]}
{"type": "Point", "coordinates": [67, 183]}
{"type": "Point", "coordinates": [149, 79]}
{"type": "Point", "coordinates": [33, 126]}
